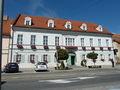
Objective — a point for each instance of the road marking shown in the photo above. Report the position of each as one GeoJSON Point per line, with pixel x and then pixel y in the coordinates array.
{"type": "Point", "coordinates": [86, 77]}
{"type": "Point", "coordinates": [68, 80]}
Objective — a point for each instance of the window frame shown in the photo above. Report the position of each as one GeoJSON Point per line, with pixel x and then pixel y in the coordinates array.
{"type": "Point", "coordinates": [33, 39]}
{"type": "Point", "coordinates": [45, 40]}
{"type": "Point", "coordinates": [20, 39]}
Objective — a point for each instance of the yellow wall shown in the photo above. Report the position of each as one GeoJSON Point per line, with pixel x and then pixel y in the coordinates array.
{"type": "Point", "coordinates": [5, 47]}
{"type": "Point", "coordinates": [117, 46]}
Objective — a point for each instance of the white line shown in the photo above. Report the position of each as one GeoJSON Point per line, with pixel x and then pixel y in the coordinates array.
{"type": "Point", "coordinates": [86, 77]}
{"type": "Point", "coordinates": [68, 80]}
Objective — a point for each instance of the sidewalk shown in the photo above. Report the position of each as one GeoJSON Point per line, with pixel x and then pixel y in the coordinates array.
{"type": "Point", "coordinates": [77, 68]}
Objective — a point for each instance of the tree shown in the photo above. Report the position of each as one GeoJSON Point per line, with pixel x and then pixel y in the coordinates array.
{"type": "Point", "coordinates": [61, 55]}
{"type": "Point", "coordinates": [92, 56]}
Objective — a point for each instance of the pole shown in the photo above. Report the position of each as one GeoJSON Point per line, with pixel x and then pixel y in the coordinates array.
{"type": "Point", "coordinates": [1, 21]}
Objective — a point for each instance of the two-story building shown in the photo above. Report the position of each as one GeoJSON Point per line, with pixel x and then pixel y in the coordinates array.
{"type": "Point", "coordinates": [5, 39]}
{"type": "Point", "coordinates": [38, 38]}
{"type": "Point", "coordinates": [116, 45]}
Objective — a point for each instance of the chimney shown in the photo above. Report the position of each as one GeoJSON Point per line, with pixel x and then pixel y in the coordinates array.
{"type": "Point", "coordinates": [5, 18]}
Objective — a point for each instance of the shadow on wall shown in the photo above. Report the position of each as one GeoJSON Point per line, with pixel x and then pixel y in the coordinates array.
{"type": "Point", "coordinates": [117, 60]}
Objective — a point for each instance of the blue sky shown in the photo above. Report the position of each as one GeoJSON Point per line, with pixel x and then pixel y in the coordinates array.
{"type": "Point", "coordinates": [103, 12]}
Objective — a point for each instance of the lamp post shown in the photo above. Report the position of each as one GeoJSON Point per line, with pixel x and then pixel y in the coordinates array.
{"type": "Point", "coordinates": [1, 21]}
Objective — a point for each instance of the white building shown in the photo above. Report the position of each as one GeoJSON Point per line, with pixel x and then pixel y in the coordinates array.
{"type": "Point", "coordinates": [37, 39]}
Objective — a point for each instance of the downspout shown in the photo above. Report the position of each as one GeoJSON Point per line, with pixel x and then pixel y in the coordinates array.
{"type": "Point", "coordinates": [12, 38]}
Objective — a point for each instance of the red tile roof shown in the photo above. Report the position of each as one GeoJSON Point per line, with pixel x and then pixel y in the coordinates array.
{"type": "Point", "coordinates": [7, 27]}
{"type": "Point", "coordinates": [41, 22]}
{"type": "Point", "coordinates": [116, 38]}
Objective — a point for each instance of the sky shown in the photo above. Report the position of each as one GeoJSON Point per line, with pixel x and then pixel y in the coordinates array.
{"type": "Point", "coordinates": [100, 12]}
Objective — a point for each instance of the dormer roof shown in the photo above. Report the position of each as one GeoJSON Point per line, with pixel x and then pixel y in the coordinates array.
{"type": "Point", "coordinates": [41, 22]}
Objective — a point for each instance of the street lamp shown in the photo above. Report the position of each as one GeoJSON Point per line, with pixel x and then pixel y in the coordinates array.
{"type": "Point", "coordinates": [1, 21]}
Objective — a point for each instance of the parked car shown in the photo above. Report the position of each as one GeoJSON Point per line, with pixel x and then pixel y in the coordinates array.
{"type": "Point", "coordinates": [41, 66]}
{"type": "Point", "coordinates": [11, 67]}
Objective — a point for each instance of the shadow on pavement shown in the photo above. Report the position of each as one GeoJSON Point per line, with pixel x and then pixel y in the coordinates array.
{"type": "Point", "coordinates": [3, 82]}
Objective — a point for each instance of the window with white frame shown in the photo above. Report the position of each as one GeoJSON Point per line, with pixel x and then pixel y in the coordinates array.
{"type": "Point", "coordinates": [109, 56]}
{"type": "Point", "coordinates": [82, 41]}
{"type": "Point", "coordinates": [69, 41]}
{"type": "Point", "coordinates": [101, 56]}
{"type": "Point", "coordinates": [18, 57]}
{"type": "Point", "coordinates": [45, 40]}
{"type": "Point", "coordinates": [27, 21]}
{"type": "Point", "coordinates": [32, 57]}
{"type": "Point", "coordinates": [83, 56]}
{"type": "Point", "coordinates": [33, 37]}
{"type": "Point", "coordinates": [68, 25]}
{"type": "Point", "coordinates": [50, 23]}
{"type": "Point", "coordinates": [57, 41]}
{"type": "Point", "coordinates": [45, 57]}
{"type": "Point", "coordinates": [99, 28]}
{"type": "Point", "coordinates": [20, 39]}
{"type": "Point", "coordinates": [107, 43]}
{"type": "Point", "coordinates": [83, 27]}
{"type": "Point", "coordinates": [91, 41]}
{"type": "Point", "coordinates": [99, 42]}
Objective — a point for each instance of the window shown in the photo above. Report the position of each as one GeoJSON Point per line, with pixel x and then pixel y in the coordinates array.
{"type": "Point", "coordinates": [18, 57]}
{"type": "Point", "coordinates": [50, 23]}
{"type": "Point", "coordinates": [83, 56]}
{"type": "Point", "coordinates": [32, 57]}
{"type": "Point", "coordinates": [19, 39]}
{"type": "Point", "coordinates": [27, 21]}
{"type": "Point", "coordinates": [69, 41]}
{"type": "Point", "coordinates": [109, 56]}
{"type": "Point", "coordinates": [68, 25]}
{"type": "Point", "coordinates": [99, 28]}
{"type": "Point", "coordinates": [45, 40]}
{"type": "Point", "coordinates": [82, 41]}
{"type": "Point", "coordinates": [57, 41]}
{"type": "Point", "coordinates": [101, 56]}
{"type": "Point", "coordinates": [99, 42]}
{"type": "Point", "coordinates": [32, 39]}
{"type": "Point", "coordinates": [91, 42]}
{"type": "Point", "coordinates": [45, 57]}
{"type": "Point", "coordinates": [83, 27]}
{"type": "Point", "coordinates": [107, 43]}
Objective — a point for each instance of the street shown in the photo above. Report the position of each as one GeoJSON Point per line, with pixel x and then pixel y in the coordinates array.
{"type": "Point", "coordinates": [97, 79]}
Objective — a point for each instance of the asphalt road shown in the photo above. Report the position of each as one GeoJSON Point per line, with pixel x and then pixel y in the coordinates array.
{"type": "Point", "coordinates": [108, 79]}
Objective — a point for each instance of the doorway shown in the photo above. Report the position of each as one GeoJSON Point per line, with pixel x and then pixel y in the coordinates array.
{"type": "Point", "coordinates": [71, 59]}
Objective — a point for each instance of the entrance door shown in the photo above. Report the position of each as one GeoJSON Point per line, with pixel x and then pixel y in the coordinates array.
{"type": "Point", "coordinates": [71, 59]}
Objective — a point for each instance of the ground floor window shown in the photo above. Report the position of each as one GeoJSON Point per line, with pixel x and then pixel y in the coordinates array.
{"type": "Point", "coordinates": [18, 58]}
{"type": "Point", "coordinates": [45, 58]}
{"type": "Point", "coordinates": [32, 58]}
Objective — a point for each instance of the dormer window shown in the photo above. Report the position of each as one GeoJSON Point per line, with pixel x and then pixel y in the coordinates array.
{"type": "Point", "coordinates": [50, 23]}
{"type": "Point", "coordinates": [27, 21]}
{"type": "Point", "coordinates": [83, 27]}
{"type": "Point", "coordinates": [99, 28]}
{"type": "Point", "coordinates": [68, 25]}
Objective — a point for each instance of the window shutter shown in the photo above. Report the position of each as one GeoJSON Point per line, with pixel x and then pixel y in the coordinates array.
{"type": "Point", "coordinates": [14, 58]}
{"type": "Point", "coordinates": [36, 58]}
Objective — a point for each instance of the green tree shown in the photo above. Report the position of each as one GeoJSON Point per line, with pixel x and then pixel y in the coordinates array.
{"type": "Point", "coordinates": [61, 55]}
{"type": "Point", "coordinates": [93, 56]}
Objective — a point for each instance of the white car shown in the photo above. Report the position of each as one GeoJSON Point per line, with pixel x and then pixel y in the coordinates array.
{"type": "Point", "coordinates": [41, 66]}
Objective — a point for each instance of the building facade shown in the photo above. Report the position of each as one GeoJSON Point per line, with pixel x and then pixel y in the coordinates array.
{"type": "Point", "coordinates": [37, 39]}
{"type": "Point", "coordinates": [116, 45]}
{"type": "Point", "coordinates": [5, 40]}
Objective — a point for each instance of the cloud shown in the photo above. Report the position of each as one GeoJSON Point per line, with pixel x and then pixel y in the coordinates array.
{"type": "Point", "coordinates": [37, 7]}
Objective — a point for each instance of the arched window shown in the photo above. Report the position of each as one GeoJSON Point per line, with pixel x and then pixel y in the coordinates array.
{"type": "Point", "coordinates": [27, 21]}
{"type": "Point", "coordinates": [99, 28]}
{"type": "Point", "coordinates": [68, 25]}
{"type": "Point", "coordinates": [50, 23]}
{"type": "Point", "coordinates": [83, 27]}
